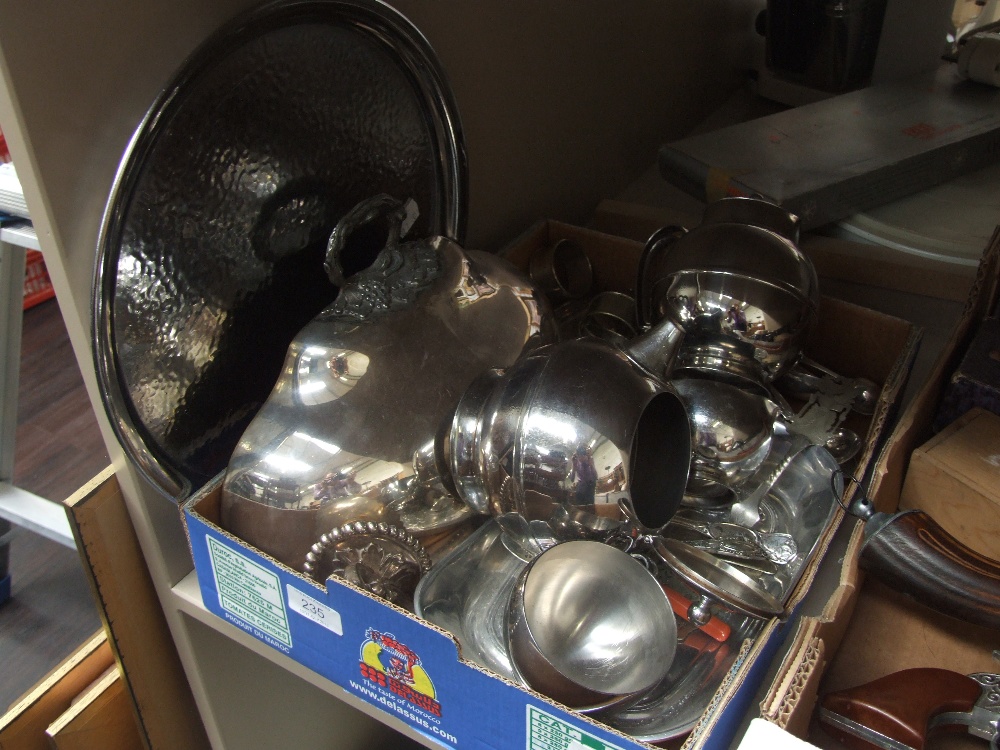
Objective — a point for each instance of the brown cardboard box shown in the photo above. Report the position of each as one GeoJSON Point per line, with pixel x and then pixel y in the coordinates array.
{"type": "Point", "coordinates": [154, 685]}
{"type": "Point", "coordinates": [955, 476]}
{"type": "Point", "coordinates": [100, 718]}
{"type": "Point", "coordinates": [854, 340]}
{"type": "Point", "coordinates": [867, 630]}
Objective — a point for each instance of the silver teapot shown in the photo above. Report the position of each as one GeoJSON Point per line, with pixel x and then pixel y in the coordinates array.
{"type": "Point", "coordinates": [738, 286]}
{"type": "Point", "coordinates": [369, 386]}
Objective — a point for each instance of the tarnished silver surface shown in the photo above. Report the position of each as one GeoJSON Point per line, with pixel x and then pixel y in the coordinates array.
{"type": "Point", "coordinates": [211, 249]}
{"type": "Point", "coordinates": [382, 559]}
{"type": "Point", "coordinates": [589, 626]}
{"type": "Point", "coordinates": [829, 398]}
{"type": "Point", "coordinates": [737, 284]}
{"type": "Point", "coordinates": [567, 434]}
{"type": "Point", "coordinates": [370, 382]}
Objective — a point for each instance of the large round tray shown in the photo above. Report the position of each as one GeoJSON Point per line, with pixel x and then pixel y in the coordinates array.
{"type": "Point", "coordinates": [210, 254]}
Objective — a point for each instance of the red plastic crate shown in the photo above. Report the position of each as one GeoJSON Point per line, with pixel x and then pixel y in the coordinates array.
{"type": "Point", "coordinates": [37, 285]}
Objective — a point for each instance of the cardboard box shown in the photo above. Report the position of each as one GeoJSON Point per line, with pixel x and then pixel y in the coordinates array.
{"type": "Point", "coordinates": [867, 630]}
{"type": "Point", "coordinates": [955, 476]}
{"type": "Point", "coordinates": [338, 631]}
{"type": "Point", "coordinates": [976, 382]}
{"type": "Point", "coordinates": [100, 718]}
{"type": "Point", "coordinates": [155, 687]}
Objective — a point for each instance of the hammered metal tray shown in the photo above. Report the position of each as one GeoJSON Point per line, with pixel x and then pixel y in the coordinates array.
{"type": "Point", "coordinates": [210, 254]}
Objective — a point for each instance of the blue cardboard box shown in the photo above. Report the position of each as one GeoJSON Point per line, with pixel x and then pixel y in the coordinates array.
{"type": "Point", "coordinates": [410, 669]}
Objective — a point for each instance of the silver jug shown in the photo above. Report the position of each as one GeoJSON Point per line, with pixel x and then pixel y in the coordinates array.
{"type": "Point", "coordinates": [348, 432]}
{"type": "Point", "coordinates": [581, 435]}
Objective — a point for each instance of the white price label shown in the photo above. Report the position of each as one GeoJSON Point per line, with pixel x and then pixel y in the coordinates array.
{"type": "Point", "coordinates": [314, 610]}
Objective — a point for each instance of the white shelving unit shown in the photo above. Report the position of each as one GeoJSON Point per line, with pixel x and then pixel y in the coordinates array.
{"type": "Point", "coordinates": [76, 80]}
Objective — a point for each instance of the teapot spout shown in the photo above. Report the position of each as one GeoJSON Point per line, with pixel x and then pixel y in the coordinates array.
{"type": "Point", "coordinates": [656, 350]}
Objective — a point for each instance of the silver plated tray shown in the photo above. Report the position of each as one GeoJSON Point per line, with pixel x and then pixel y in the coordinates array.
{"type": "Point", "coordinates": [210, 254]}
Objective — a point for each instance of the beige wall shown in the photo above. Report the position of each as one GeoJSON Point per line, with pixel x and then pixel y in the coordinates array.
{"type": "Point", "coordinates": [564, 102]}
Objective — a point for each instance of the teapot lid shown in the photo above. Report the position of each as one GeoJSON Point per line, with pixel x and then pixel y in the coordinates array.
{"type": "Point", "coordinates": [210, 257]}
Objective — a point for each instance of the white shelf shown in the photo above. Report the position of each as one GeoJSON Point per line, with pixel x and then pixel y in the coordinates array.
{"type": "Point", "coordinates": [189, 601]}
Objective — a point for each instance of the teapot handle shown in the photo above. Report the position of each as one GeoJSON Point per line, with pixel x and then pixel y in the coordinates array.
{"type": "Point", "coordinates": [658, 241]}
{"type": "Point", "coordinates": [377, 207]}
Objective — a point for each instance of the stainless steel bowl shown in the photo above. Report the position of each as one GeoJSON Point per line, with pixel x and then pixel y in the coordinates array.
{"type": "Point", "coordinates": [589, 626]}
{"type": "Point", "coordinates": [738, 286]}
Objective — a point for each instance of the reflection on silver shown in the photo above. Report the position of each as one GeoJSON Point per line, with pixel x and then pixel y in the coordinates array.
{"type": "Point", "coordinates": [589, 626]}
{"type": "Point", "coordinates": [732, 437]}
{"type": "Point", "coordinates": [738, 286]}
{"type": "Point", "coordinates": [210, 253]}
{"type": "Point", "coordinates": [671, 709]}
{"type": "Point", "coordinates": [369, 383]}
{"type": "Point", "coordinates": [467, 594]}
{"type": "Point", "coordinates": [796, 508]}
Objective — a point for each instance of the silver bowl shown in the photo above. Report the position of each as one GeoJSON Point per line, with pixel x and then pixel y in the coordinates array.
{"type": "Point", "coordinates": [589, 626]}
{"type": "Point", "coordinates": [739, 287]}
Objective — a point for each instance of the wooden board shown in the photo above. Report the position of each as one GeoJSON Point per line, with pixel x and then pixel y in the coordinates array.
{"type": "Point", "coordinates": [23, 726]}
{"type": "Point", "coordinates": [164, 707]}
{"type": "Point", "coordinates": [100, 718]}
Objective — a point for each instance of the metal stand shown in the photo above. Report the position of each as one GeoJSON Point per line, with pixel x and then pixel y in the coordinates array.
{"type": "Point", "coordinates": [17, 506]}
